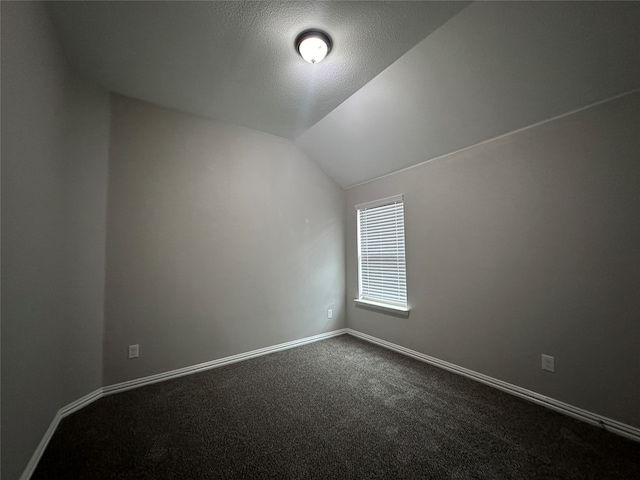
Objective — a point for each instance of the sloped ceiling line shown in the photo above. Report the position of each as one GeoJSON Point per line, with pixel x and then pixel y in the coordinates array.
{"type": "Point", "coordinates": [405, 82]}
{"type": "Point", "coordinates": [235, 61]}
{"type": "Point", "coordinates": [494, 68]}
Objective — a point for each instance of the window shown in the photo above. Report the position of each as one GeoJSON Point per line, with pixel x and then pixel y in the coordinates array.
{"type": "Point", "coordinates": [382, 279]}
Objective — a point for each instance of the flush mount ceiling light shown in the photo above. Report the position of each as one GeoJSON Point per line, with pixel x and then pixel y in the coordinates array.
{"type": "Point", "coordinates": [313, 45]}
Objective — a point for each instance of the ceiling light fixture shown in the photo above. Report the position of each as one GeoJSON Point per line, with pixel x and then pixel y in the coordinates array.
{"type": "Point", "coordinates": [313, 45]}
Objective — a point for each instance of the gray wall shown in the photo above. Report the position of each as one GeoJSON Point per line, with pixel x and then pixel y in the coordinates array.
{"type": "Point", "coordinates": [55, 131]}
{"type": "Point", "coordinates": [524, 245]}
{"type": "Point", "coordinates": [220, 240]}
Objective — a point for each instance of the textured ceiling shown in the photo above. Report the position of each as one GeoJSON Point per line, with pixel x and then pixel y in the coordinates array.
{"type": "Point", "coordinates": [235, 61]}
{"type": "Point", "coordinates": [493, 68]}
{"type": "Point", "coordinates": [406, 81]}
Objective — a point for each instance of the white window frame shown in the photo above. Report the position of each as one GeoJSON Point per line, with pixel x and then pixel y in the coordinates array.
{"type": "Point", "coordinates": [390, 297]}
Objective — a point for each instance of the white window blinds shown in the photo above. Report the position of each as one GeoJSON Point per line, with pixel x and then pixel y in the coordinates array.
{"type": "Point", "coordinates": [381, 254]}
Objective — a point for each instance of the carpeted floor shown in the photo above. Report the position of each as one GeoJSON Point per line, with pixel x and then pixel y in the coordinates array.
{"type": "Point", "coordinates": [339, 408]}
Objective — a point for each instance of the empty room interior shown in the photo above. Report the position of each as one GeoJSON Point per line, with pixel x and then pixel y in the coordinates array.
{"type": "Point", "coordinates": [320, 240]}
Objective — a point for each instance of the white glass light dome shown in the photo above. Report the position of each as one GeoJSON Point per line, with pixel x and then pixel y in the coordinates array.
{"type": "Point", "coordinates": [313, 45]}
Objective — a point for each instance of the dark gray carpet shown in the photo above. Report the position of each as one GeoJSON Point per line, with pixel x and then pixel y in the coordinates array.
{"type": "Point", "coordinates": [339, 408]}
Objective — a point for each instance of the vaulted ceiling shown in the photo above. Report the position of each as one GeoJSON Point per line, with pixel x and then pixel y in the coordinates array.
{"type": "Point", "coordinates": [235, 61]}
{"type": "Point", "coordinates": [405, 82]}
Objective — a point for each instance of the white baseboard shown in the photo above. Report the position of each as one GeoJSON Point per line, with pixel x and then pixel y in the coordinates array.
{"type": "Point", "coordinates": [584, 415]}
{"type": "Point", "coordinates": [80, 403]}
{"type": "Point", "coordinates": [180, 372]}
{"type": "Point", "coordinates": [594, 419]}
{"type": "Point", "coordinates": [60, 414]}
{"type": "Point", "coordinates": [35, 458]}
{"type": "Point", "coordinates": [139, 382]}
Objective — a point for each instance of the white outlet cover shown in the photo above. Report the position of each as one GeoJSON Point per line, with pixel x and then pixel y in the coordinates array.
{"type": "Point", "coordinates": [329, 313]}
{"type": "Point", "coordinates": [548, 363]}
{"type": "Point", "coordinates": [134, 351]}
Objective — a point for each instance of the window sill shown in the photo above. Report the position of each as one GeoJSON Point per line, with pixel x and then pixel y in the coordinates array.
{"type": "Point", "coordinates": [384, 307]}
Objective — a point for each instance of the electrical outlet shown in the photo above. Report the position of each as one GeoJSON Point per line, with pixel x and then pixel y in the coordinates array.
{"type": "Point", "coordinates": [548, 363]}
{"type": "Point", "coordinates": [329, 313]}
{"type": "Point", "coordinates": [134, 351]}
